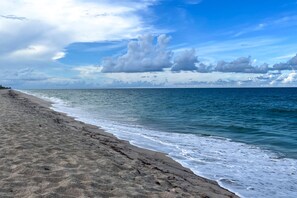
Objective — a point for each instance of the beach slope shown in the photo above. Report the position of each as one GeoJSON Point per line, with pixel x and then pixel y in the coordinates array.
{"type": "Point", "coordinates": [44, 153]}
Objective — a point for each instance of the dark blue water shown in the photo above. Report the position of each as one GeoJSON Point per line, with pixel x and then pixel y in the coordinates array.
{"type": "Point", "coordinates": [230, 124]}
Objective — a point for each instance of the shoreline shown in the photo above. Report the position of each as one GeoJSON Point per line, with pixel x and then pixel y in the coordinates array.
{"type": "Point", "coordinates": [141, 172]}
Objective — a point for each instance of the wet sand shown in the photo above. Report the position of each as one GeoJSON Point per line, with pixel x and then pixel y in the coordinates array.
{"type": "Point", "coordinates": [44, 153]}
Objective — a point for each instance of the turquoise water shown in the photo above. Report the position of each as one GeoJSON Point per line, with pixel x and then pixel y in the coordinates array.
{"type": "Point", "coordinates": [246, 139]}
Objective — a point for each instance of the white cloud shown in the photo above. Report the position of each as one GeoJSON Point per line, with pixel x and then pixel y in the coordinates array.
{"type": "Point", "coordinates": [59, 55]}
{"type": "Point", "coordinates": [142, 55]}
{"type": "Point", "coordinates": [290, 78]}
{"type": "Point", "coordinates": [33, 30]}
{"type": "Point", "coordinates": [26, 74]}
{"type": "Point", "coordinates": [88, 71]}
{"type": "Point", "coordinates": [172, 79]}
{"type": "Point", "coordinates": [284, 56]}
{"type": "Point", "coordinates": [34, 51]}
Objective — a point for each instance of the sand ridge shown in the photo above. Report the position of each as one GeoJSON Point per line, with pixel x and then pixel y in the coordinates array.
{"type": "Point", "coordinates": [44, 153]}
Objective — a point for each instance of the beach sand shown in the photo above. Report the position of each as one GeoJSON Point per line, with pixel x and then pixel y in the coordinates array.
{"type": "Point", "coordinates": [44, 153]}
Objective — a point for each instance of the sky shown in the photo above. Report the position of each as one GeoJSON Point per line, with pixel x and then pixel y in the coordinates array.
{"type": "Point", "coordinates": [148, 43]}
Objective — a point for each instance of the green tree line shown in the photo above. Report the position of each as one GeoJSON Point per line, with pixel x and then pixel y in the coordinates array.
{"type": "Point", "coordinates": [2, 87]}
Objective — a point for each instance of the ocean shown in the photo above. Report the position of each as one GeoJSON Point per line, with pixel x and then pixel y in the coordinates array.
{"type": "Point", "coordinates": [244, 138]}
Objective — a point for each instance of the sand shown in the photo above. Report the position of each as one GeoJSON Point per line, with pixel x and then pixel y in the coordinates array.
{"type": "Point", "coordinates": [44, 153]}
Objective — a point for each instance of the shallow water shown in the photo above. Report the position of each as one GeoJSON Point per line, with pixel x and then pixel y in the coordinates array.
{"type": "Point", "coordinates": [246, 139]}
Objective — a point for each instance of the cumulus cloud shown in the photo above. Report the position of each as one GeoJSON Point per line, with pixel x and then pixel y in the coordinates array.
{"type": "Point", "coordinates": [291, 64]}
{"type": "Point", "coordinates": [32, 31]}
{"type": "Point", "coordinates": [241, 65]}
{"type": "Point", "coordinates": [142, 55]}
{"type": "Point", "coordinates": [185, 61]}
{"type": "Point", "coordinates": [204, 68]}
{"type": "Point", "coordinates": [146, 55]}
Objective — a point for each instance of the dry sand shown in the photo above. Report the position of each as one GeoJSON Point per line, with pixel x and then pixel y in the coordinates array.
{"type": "Point", "coordinates": [44, 153]}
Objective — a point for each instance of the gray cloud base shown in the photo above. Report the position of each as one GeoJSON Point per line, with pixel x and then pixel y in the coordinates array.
{"type": "Point", "coordinates": [241, 65]}
{"type": "Point", "coordinates": [291, 64]}
{"type": "Point", "coordinates": [185, 61]}
{"type": "Point", "coordinates": [148, 55]}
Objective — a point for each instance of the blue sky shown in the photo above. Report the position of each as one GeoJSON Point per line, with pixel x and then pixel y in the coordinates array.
{"type": "Point", "coordinates": [148, 43]}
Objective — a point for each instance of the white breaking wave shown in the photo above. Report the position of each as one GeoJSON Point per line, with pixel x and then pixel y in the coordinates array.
{"type": "Point", "coordinates": [244, 169]}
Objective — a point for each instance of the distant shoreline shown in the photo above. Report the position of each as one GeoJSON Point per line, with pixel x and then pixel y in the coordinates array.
{"type": "Point", "coordinates": [119, 88]}
{"type": "Point", "coordinates": [2, 87]}
{"type": "Point", "coordinates": [84, 160]}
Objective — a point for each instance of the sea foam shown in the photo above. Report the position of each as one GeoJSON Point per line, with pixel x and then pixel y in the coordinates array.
{"type": "Point", "coordinates": [244, 169]}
